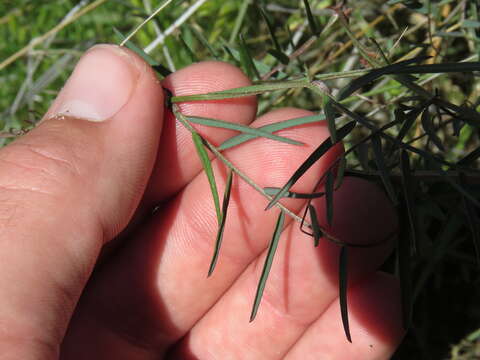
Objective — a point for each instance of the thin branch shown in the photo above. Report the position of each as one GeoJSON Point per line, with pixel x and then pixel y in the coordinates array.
{"type": "Point", "coordinates": [231, 166]}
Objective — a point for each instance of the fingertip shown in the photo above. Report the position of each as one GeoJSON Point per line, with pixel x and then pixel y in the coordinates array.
{"type": "Point", "coordinates": [375, 304]}
{"type": "Point", "coordinates": [210, 76]}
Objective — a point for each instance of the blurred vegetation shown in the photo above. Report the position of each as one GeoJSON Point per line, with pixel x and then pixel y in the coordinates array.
{"type": "Point", "coordinates": [445, 288]}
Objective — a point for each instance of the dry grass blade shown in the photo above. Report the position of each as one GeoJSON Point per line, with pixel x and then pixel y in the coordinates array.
{"type": "Point", "coordinates": [268, 264]}
{"type": "Point", "coordinates": [155, 13]}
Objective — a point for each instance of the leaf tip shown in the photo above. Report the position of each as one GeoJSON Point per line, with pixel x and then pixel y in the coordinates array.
{"type": "Point", "coordinates": [270, 205]}
{"type": "Point", "coordinates": [210, 270]}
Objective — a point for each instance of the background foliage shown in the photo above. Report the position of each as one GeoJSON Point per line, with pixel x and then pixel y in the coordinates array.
{"type": "Point", "coordinates": [446, 284]}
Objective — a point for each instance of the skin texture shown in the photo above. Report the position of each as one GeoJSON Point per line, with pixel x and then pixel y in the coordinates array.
{"type": "Point", "coordinates": [88, 272]}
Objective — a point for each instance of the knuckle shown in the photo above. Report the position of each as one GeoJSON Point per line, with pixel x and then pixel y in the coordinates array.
{"type": "Point", "coordinates": [46, 169]}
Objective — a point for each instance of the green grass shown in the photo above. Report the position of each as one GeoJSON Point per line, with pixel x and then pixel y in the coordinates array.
{"type": "Point", "coordinates": [444, 274]}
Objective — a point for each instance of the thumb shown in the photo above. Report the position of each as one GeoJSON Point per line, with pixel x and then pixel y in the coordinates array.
{"type": "Point", "coordinates": [66, 188]}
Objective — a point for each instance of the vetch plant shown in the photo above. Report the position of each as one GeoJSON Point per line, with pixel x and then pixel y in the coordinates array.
{"type": "Point", "coordinates": [403, 73]}
{"type": "Point", "coordinates": [392, 101]}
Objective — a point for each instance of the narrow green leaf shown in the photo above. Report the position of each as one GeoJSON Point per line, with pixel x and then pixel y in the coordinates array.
{"type": "Point", "coordinates": [330, 116]}
{"type": "Point", "coordinates": [379, 132]}
{"type": "Point", "coordinates": [430, 130]}
{"type": "Point", "coordinates": [218, 242]}
{"type": "Point", "coordinates": [203, 40]}
{"type": "Point", "coordinates": [460, 189]}
{"type": "Point", "coordinates": [262, 67]}
{"type": "Point", "coordinates": [464, 113]}
{"type": "Point", "coordinates": [474, 336]}
{"type": "Point", "coordinates": [470, 24]}
{"type": "Point", "coordinates": [311, 19]}
{"type": "Point", "coordinates": [191, 54]}
{"type": "Point", "coordinates": [241, 15]}
{"type": "Point", "coordinates": [361, 152]}
{"type": "Point", "coordinates": [467, 115]}
{"type": "Point", "coordinates": [343, 284]}
{"type": "Point", "coordinates": [447, 235]}
{"type": "Point", "coordinates": [279, 55]}
{"type": "Point", "coordinates": [409, 121]}
{"type": "Point", "coordinates": [245, 91]}
{"type": "Point", "coordinates": [207, 166]}
{"type": "Point", "coordinates": [268, 264]}
{"type": "Point", "coordinates": [457, 126]}
{"type": "Point", "coordinates": [472, 220]}
{"type": "Point", "coordinates": [408, 191]}
{"type": "Point", "coordinates": [329, 189]}
{"type": "Point", "coordinates": [272, 191]}
{"type": "Point", "coordinates": [436, 68]}
{"type": "Point", "coordinates": [238, 127]}
{"type": "Point", "coordinates": [271, 29]}
{"type": "Point", "coordinates": [431, 208]}
{"type": "Point", "coordinates": [470, 158]}
{"type": "Point", "coordinates": [341, 172]}
{"type": "Point", "coordinates": [231, 56]}
{"type": "Point", "coordinates": [312, 159]}
{"type": "Point", "coordinates": [247, 61]}
{"type": "Point", "coordinates": [240, 139]}
{"type": "Point", "coordinates": [290, 41]}
{"type": "Point", "coordinates": [317, 232]}
{"type": "Point", "coordinates": [360, 82]}
{"type": "Point", "coordinates": [382, 167]}
{"type": "Point", "coordinates": [380, 51]}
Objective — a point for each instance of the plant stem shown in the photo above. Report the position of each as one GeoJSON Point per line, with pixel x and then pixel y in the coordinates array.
{"type": "Point", "coordinates": [258, 188]}
{"type": "Point", "coordinates": [231, 166]}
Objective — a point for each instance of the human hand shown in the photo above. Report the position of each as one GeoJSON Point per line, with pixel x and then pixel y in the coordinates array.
{"type": "Point", "coordinates": [71, 185]}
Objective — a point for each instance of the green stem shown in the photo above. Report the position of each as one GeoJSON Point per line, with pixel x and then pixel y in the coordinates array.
{"type": "Point", "coordinates": [231, 166]}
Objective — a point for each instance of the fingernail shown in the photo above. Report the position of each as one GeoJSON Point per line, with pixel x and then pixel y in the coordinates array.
{"type": "Point", "coordinates": [100, 85]}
